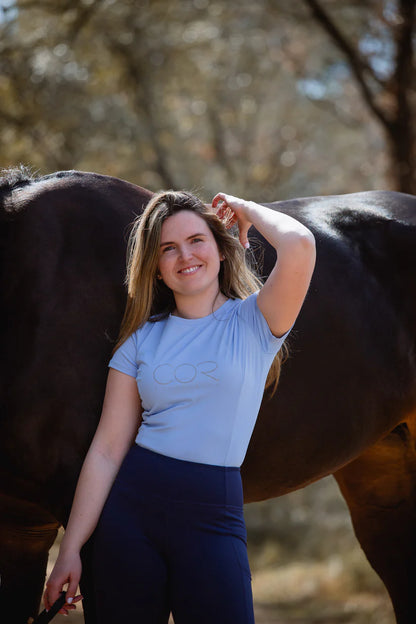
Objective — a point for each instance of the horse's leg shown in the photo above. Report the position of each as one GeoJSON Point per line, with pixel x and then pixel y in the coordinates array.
{"type": "Point", "coordinates": [26, 534]}
{"type": "Point", "coordinates": [380, 490]}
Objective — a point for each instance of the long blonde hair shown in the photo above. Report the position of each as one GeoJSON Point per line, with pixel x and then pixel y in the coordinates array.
{"type": "Point", "coordinates": [148, 298]}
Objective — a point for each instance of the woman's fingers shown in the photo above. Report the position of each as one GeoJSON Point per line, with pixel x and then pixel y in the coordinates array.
{"type": "Point", "coordinates": [51, 604]}
{"type": "Point", "coordinates": [67, 571]}
{"type": "Point", "coordinates": [70, 604]}
{"type": "Point", "coordinates": [51, 595]}
{"type": "Point", "coordinates": [243, 232]}
{"type": "Point", "coordinates": [219, 198]}
{"type": "Point", "coordinates": [72, 589]}
{"type": "Point", "coordinates": [222, 208]}
{"type": "Point", "coordinates": [231, 210]}
{"type": "Point", "coordinates": [227, 215]}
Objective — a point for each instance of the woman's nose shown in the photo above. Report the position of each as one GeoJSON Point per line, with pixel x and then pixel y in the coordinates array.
{"type": "Point", "coordinates": [185, 252]}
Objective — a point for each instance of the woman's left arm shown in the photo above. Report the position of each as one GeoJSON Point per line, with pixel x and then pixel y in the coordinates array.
{"type": "Point", "coordinates": [284, 291]}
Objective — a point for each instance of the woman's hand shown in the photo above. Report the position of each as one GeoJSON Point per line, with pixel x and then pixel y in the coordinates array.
{"type": "Point", "coordinates": [233, 210]}
{"type": "Point", "coordinates": [67, 570]}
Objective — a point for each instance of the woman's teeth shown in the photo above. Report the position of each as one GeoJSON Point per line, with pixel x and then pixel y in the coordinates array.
{"type": "Point", "coordinates": [190, 270]}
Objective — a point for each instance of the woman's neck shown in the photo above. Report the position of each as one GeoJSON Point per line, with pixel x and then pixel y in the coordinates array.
{"type": "Point", "coordinates": [194, 307]}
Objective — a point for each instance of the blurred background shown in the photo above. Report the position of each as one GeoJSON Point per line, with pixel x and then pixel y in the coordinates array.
{"type": "Point", "coordinates": [268, 100]}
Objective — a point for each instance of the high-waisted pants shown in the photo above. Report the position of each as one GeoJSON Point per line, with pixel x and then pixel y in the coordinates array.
{"type": "Point", "coordinates": [172, 538]}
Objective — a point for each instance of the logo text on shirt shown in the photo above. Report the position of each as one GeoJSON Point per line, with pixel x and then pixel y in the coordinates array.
{"type": "Point", "coordinates": [184, 373]}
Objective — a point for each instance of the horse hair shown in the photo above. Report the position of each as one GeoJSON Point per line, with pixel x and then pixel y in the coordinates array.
{"type": "Point", "coordinates": [12, 177]}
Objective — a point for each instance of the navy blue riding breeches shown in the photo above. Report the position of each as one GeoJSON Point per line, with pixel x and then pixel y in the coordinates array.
{"type": "Point", "coordinates": [172, 538]}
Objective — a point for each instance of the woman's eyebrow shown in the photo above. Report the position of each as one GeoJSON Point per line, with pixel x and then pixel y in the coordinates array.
{"type": "Point", "coordinates": [192, 236]}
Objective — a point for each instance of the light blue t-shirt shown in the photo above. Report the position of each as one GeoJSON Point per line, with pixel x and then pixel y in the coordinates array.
{"type": "Point", "coordinates": [201, 381]}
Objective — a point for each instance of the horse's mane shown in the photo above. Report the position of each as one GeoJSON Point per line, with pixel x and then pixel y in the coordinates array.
{"type": "Point", "coordinates": [12, 182]}
{"type": "Point", "coordinates": [16, 176]}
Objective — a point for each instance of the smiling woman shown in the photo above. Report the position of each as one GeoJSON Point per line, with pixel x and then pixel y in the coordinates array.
{"type": "Point", "coordinates": [189, 264]}
{"type": "Point", "coordinates": [154, 243]}
{"type": "Point", "coordinates": [161, 483]}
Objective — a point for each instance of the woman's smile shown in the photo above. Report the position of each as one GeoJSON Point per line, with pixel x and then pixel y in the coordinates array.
{"type": "Point", "coordinates": [190, 270]}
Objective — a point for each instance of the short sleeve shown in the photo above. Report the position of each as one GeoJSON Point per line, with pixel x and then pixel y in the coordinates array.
{"type": "Point", "coordinates": [124, 359]}
{"type": "Point", "coordinates": [250, 312]}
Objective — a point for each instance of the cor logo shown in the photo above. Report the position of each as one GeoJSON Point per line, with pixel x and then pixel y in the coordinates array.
{"type": "Point", "coordinates": [165, 374]}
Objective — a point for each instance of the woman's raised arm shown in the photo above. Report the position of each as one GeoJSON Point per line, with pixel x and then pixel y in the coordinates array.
{"type": "Point", "coordinates": [284, 291]}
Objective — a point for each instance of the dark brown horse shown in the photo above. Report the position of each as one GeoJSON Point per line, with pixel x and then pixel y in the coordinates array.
{"type": "Point", "coordinates": [346, 402]}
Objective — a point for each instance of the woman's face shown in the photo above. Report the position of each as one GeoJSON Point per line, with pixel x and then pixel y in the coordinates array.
{"type": "Point", "coordinates": [189, 259]}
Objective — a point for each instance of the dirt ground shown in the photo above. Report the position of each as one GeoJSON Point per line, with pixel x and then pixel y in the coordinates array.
{"type": "Point", "coordinates": [326, 592]}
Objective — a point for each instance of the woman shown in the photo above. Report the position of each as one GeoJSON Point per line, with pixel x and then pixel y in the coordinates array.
{"type": "Point", "coordinates": [161, 483]}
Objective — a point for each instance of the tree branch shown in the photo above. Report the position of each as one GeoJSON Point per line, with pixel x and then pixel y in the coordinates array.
{"type": "Point", "coordinates": [404, 53]}
{"type": "Point", "coordinates": [83, 16]}
{"type": "Point", "coordinates": [402, 131]}
{"type": "Point", "coordinates": [358, 66]}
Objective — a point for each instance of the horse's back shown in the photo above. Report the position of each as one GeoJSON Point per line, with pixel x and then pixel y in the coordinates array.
{"type": "Point", "coordinates": [62, 272]}
{"type": "Point", "coordinates": [351, 375]}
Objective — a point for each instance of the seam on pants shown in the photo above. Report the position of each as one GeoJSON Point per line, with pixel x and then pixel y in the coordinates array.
{"type": "Point", "coordinates": [249, 610]}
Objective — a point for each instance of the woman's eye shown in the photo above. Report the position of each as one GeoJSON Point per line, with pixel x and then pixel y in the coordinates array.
{"type": "Point", "coordinates": [167, 248]}
{"type": "Point", "coordinates": [197, 240]}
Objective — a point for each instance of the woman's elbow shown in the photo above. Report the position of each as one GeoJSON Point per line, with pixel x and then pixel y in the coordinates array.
{"type": "Point", "coordinates": [302, 244]}
{"type": "Point", "coordinates": [309, 250]}
{"type": "Point", "coordinates": [308, 244]}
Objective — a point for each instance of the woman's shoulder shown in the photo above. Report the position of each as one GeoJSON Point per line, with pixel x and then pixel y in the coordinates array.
{"type": "Point", "coordinates": [248, 302]}
{"type": "Point", "coordinates": [153, 325]}
{"type": "Point", "coordinates": [141, 332]}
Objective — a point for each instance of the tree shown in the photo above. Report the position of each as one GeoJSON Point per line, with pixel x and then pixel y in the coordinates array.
{"type": "Point", "coordinates": [185, 93]}
{"type": "Point", "coordinates": [381, 61]}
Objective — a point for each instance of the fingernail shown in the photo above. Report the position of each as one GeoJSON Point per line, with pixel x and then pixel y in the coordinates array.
{"type": "Point", "coordinates": [69, 600]}
{"type": "Point", "coordinates": [247, 245]}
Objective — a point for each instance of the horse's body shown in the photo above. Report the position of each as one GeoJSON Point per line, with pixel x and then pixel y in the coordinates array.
{"type": "Point", "coordinates": [346, 402]}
